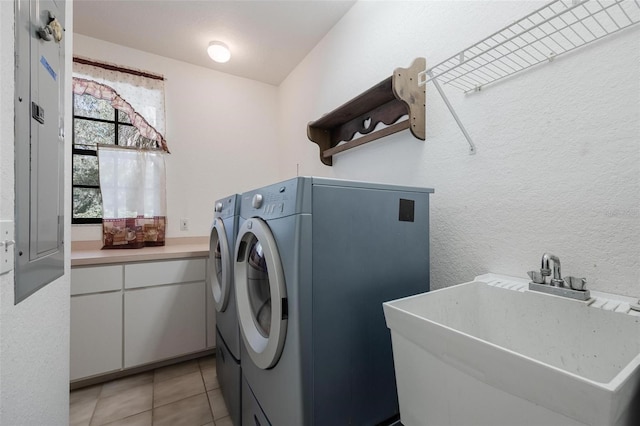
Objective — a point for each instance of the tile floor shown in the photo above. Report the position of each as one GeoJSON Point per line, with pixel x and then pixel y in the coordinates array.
{"type": "Point", "coordinates": [185, 394]}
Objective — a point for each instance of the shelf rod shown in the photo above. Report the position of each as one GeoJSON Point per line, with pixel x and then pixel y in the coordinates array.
{"type": "Point", "coordinates": [385, 131]}
{"type": "Point", "coordinates": [434, 80]}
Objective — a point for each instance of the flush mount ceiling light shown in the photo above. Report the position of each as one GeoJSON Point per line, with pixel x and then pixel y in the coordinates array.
{"type": "Point", "coordinates": [219, 52]}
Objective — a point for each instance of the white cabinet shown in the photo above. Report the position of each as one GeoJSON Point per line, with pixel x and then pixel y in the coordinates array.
{"type": "Point", "coordinates": [133, 314]}
{"type": "Point", "coordinates": [165, 310]}
{"type": "Point", "coordinates": [96, 320]}
{"type": "Point", "coordinates": [163, 322]}
{"type": "Point", "coordinates": [96, 334]}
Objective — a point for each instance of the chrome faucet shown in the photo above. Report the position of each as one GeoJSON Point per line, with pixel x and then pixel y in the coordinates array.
{"type": "Point", "coordinates": [572, 287]}
{"type": "Point", "coordinates": [557, 280]}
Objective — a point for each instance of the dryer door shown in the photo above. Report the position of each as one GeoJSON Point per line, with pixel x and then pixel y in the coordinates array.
{"type": "Point", "coordinates": [260, 293]}
{"type": "Point", "coordinates": [220, 264]}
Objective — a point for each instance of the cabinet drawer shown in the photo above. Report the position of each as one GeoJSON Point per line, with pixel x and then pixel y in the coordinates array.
{"type": "Point", "coordinates": [168, 272]}
{"type": "Point", "coordinates": [95, 279]}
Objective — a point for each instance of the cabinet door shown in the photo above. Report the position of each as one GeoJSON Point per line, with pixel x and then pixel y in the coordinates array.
{"type": "Point", "coordinates": [164, 322]}
{"type": "Point", "coordinates": [96, 334]}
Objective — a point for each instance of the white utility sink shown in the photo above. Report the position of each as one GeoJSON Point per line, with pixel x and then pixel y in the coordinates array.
{"type": "Point", "coordinates": [491, 352]}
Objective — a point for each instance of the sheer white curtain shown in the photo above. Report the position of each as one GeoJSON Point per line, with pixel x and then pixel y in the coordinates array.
{"type": "Point", "coordinates": [133, 186]}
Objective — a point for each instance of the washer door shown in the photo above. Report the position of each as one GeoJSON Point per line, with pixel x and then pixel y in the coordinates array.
{"type": "Point", "coordinates": [220, 264]}
{"type": "Point", "coordinates": [260, 293]}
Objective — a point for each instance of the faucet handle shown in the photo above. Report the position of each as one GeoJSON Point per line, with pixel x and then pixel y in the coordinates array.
{"type": "Point", "coordinates": [536, 276]}
{"type": "Point", "coordinates": [576, 283]}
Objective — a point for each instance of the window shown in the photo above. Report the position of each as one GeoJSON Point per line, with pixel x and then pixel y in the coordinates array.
{"type": "Point", "coordinates": [118, 176]}
{"type": "Point", "coordinates": [95, 121]}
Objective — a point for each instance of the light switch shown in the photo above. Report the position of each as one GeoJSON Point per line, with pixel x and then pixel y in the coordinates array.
{"type": "Point", "coordinates": [7, 245]}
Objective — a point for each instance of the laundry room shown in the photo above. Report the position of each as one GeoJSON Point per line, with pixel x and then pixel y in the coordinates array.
{"type": "Point", "coordinates": [359, 217]}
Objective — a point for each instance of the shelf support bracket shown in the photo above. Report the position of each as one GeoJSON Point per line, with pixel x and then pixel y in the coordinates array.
{"type": "Point", "coordinates": [434, 80]}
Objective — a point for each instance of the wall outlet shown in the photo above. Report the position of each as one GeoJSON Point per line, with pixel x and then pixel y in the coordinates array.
{"type": "Point", "coordinates": [184, 224]}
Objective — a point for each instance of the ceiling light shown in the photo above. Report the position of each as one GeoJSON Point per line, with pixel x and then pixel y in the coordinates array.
{"type": "Point", "coordinates": [219, 52]}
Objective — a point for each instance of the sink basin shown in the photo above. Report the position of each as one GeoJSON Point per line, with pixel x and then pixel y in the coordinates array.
{"type": "Point", "coordinates": [491, 352]}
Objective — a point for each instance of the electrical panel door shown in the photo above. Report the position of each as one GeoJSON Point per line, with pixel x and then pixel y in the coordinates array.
{"type": "Point", "coordinates": [39, 143]}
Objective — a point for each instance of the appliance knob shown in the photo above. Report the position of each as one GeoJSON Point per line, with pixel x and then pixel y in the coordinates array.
{"type": "Point", "coordinates": [256, 202]}
{"type": "Point", "coordinates": [218, 207]}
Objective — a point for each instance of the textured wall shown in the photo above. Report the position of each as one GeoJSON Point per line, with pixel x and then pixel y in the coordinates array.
{"type": "Point", "coordinates": [216, 123]}
{"type": "Point", "coordinates": [558, 161]}
{"type": "Point", "coordinates": [34, 335]}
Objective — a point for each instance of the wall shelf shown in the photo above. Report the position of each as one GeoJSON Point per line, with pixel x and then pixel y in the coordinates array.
{"type": "Point", "coordinates": [557, 28]}
{"type": "Point", "coordinates": [387, 102]}
{"type": "Point", "coordinates": [548, 32]}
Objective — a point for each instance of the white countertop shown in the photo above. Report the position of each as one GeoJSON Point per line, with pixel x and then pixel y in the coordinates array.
{"type": "Point", "coordinates": [85, 253]}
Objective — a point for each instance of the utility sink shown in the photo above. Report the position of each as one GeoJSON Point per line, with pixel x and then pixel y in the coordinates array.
{"type": "Point", "coordinates": [491, 352]}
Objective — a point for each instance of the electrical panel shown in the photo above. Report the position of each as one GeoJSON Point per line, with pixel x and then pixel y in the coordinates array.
{"type": "Point", "coordinates": [39, 145]}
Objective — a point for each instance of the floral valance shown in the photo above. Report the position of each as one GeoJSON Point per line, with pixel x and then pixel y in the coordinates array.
{"type": "Point", "coordinates": [83, 86]}
{"type": "Point", "coordinates": [138, 93]}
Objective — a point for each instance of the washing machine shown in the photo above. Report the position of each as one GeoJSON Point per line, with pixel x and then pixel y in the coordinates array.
{"type": "Point", "coordinates": [221, 281]}
{"type": "Point", "coordinates": [315, 259]}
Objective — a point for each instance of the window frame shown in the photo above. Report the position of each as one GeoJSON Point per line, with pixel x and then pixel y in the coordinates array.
{"type": "Point", "coordinates": [89, 152]}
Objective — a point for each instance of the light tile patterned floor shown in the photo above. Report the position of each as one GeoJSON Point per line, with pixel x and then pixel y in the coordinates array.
{"type": "Point", "coordinates": [185, 394]}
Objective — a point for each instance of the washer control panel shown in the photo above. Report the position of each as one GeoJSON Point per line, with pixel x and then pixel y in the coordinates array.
{"type": "Point", "coordinates": [271, 201]}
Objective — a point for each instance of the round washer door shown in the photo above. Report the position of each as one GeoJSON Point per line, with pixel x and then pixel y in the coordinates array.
{"type": "Point", "coordinates": [220, 264]}
{"type": "Point", "coordinates": [260, 293]}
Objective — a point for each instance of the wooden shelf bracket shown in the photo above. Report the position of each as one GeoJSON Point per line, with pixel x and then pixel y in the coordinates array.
{"type": "Point", "coordinates": [387, 102]}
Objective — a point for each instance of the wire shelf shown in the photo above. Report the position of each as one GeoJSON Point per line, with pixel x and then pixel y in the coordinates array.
{"type": "Point", "coordinates": [557, 28]}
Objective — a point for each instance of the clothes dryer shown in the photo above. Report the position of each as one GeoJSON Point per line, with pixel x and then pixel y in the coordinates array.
{"type": "Point", "coordinates": [221, 281]}
{"type": "Point", "coordinates": [315, 259]}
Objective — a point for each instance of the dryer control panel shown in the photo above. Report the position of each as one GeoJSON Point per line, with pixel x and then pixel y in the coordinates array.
{"type": "Point", "coordinates": [227, 207]}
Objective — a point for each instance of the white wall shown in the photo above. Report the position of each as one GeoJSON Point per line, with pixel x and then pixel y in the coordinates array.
{"type": "Point", "coordinates": [34, 335]}
{"type": "Point", "coordinates": [221, 131]}
{"type": "Point", "coordinates": [558, 160]}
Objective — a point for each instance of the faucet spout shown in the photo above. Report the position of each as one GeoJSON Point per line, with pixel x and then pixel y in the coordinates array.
{"type": "Point", "coordinates": [572, 287]}
{"type": "Point", "coordinates": [546, 271]}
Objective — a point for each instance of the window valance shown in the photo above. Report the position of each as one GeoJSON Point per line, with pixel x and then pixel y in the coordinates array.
{"type": "Point", "coordinates": [144, 94]}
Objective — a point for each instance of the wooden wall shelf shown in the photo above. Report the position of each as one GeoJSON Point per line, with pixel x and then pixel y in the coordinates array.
{"type": "Point", "coordinates": [386, 102]}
